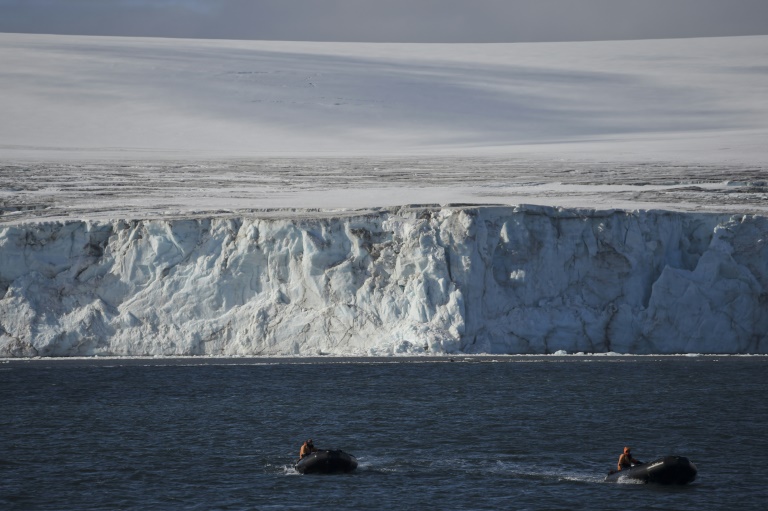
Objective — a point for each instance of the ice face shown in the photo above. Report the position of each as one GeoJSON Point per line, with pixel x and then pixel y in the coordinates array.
{"type": "Point", "coordinates": [394, 281]}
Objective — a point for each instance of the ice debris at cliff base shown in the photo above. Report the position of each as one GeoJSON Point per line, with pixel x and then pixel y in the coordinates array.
{"type": "Point", "coordinates": [394, 281]}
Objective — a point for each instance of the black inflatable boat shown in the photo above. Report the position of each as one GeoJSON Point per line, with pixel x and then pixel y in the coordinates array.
{"type": "Point", "coordinates": [666, 470]}
{"type": "Point", "coordinates": [326, 462]}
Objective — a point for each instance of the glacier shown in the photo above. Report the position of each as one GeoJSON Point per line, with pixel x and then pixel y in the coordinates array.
{"type": "Point", "coordinates": [413, 279]}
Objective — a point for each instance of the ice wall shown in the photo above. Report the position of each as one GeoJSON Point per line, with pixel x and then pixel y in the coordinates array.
{"type": "Point", "coordinates": [408, 280]}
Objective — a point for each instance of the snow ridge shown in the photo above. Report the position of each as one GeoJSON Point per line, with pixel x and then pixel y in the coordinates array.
{"type": "Point", "coordinates": [418, 279]}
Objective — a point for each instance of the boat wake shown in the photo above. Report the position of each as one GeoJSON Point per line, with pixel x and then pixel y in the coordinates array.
{"type": "Point", "coordinates": [527, 471]}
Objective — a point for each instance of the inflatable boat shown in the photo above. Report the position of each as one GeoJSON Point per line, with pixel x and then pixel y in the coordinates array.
{"type": "Point", "coordinates": [666, 470]}
{"type": "Point", "coordinates": [326, 462]}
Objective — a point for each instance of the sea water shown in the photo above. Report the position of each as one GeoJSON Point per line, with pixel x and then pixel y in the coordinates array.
{"type": "Point", "coordinates": [475, 433]}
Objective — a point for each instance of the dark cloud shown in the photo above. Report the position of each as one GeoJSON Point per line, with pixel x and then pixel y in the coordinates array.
{"type": "Point", "coordinates": [390, 20]}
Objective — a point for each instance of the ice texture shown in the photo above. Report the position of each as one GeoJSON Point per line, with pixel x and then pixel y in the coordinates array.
{"type": "Point", "coordinates": [405, 280]}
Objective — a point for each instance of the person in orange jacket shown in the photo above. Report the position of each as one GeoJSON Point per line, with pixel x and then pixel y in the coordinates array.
{"type": "Point", "coordinates": [626, 460]}
{"type": "Point", "coordinates": [307, 448]}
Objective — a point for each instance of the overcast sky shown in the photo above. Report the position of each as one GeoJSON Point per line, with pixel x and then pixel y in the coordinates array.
{"type": "Point", "coordinates": [390, 20]}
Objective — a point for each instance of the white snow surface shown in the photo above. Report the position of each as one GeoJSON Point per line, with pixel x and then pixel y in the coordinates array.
{"type": "Point", "coordinates": [125, 98]}
{"type": "Point", "coordinates": [239, 198]}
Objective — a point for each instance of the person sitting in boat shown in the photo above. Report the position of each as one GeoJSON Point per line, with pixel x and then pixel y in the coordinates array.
{"type": "Point", "coordinates": [626, 460]}
{"type": "Point", "coordinates": [307, 448]}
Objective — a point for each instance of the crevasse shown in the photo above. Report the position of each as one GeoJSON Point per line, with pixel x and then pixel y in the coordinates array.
{"type": "Point", "coordinates": [492, 279]}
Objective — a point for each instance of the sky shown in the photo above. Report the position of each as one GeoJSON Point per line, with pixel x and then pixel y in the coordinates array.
{"type": "Point", "coordinates": [446, 21]}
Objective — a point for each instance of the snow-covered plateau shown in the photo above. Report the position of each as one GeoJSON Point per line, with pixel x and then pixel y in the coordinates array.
{"type": "Point", "coordinates": [490, 279]}
{"type": "Point", "coordinates": [240, 198]}
{"type": "Point", "coordinates": [691, 100]}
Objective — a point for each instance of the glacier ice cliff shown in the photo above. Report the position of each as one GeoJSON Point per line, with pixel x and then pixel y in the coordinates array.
{"type": "Point", "coordinates": [419, 279]}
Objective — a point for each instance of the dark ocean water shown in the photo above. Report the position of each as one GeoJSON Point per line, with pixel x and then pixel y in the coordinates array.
{"type": "Point", "coordinates": [520, 433]}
